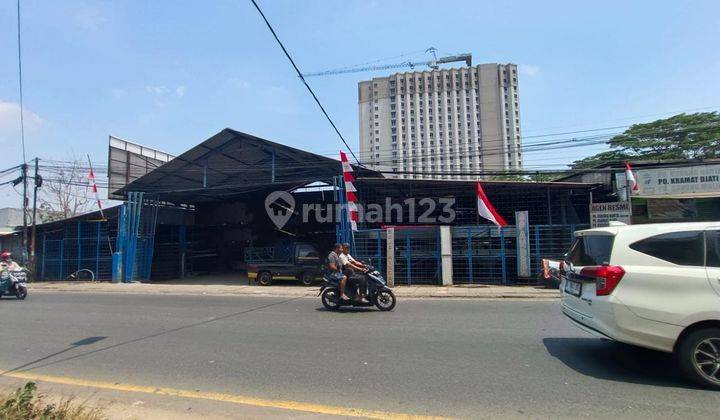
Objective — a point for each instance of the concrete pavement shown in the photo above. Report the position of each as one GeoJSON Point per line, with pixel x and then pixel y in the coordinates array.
{"type": "Point", "coordinates": [233, 288]}
{"type": "Point", "coordinates": [462, 358]}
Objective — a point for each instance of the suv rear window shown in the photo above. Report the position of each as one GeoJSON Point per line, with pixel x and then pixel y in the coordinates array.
{"type": "Point", "coordinates": [681, 248]}
{"type": "Point", "coordinates": [590, 250]}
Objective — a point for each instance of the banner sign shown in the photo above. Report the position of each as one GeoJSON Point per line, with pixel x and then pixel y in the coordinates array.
{"type": "Point", "coordinates": [700, 179]}
{"type": "Point", "coordinates": [671, 209]}
{"type": "Point", "coordinates": [522, 227]}
{"type": "Point", "coordinates": [602, 213]}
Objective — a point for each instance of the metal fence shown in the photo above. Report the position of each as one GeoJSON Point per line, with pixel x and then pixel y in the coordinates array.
{"type": "Point", "coordinates": [78, 246]}
{"type": "Point", "coordinates": [417, 253]}
{"type": "Point", "coordinates": [480, 254]}
{"type": "Point", "coordinates": [488, 255]}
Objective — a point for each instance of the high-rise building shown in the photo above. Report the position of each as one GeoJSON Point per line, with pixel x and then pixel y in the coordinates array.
{"type": "Point", "coordinates": [430, 124]}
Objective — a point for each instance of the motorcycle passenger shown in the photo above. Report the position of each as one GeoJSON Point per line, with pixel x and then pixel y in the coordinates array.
{"type": "Point", "coordinates": [350, 265]}
{"type": "Point", "coordinates": [335, 266]}
{"type": "Point", "coordinates": [7, 261]}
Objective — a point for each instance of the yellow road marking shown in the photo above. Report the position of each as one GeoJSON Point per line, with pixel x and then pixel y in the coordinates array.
{"type": "Point", "coordinates": [216, 396]}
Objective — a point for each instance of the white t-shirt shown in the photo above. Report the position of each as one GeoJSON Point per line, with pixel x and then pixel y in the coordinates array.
{"type": "Point", "coordinates": [343, 259]}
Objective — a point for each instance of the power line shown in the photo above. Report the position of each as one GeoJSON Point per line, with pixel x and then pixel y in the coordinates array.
{"type": "Point", "coordinates": [22, 117]}
{"type": "Point", "coordinates": [303, 80]}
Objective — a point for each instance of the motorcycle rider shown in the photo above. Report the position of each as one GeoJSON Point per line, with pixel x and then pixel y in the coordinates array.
{"type": "Point", "coordinates": [335, 266]}
{"type": "Point", "coordinates": [7, 262]}
{"type": "Point", "coordinates": [350, 265]}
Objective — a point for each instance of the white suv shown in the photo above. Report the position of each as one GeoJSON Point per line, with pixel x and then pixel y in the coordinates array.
{"type": "Point", "coordinates": [654, 285]}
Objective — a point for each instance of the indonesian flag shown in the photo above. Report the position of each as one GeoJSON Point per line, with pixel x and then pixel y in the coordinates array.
{"type": "Point", "coordinates": [630, 177]}
{"type": "Point", "coordinates": [91, 178]}
{"type": "Point", "coordinates": [486, 209]}
{"type": "Point", "coordinates": [350, 190]}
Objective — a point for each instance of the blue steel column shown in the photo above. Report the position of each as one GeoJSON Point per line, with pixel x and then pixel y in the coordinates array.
{"type": "Point", "coordinates": [97, 250]}
{"type": "Point", "coordinates": [118, 258]}
{"type": "Point", "coordinates": [408, 258]}
{"type": "Point", "coordinates": [469, 254]}
{"type": "Point", "coordinates": [62, 257]}
{"type": "Point", "coordinates": [438, 249]}
{"type": "Point", "coordinates": [44, 254]}
{"type": "Point", "coordinates": [502, 251]}
{"type": "Point", "coordinates": [79, 247]}
{"type": "Point", "coordinates": [537, 247]}
{"type": "Point", "coordinates": [379, 251]}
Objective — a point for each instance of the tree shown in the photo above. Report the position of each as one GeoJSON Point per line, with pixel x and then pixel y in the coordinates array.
{"type": "Point", "coordinates": [683, 136]}
{"type": "Point", "coordinates": [65, 192]}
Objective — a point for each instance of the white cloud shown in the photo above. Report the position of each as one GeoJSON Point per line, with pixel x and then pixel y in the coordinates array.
{"type": "Point", "coordinates": [157, 90]}
{"type": "Point", "coordinates": [163, 95]}
{"type": "Point", "coordinates": [238, 83]}
{"type": "Point", "coordinates": [90, 19]}
{"type": "Point", "coordinates": [529, 70]}
{"type": "Point", "coordinates": [118, 93]}
{"type": "Point", "coordinates": [10, 120]}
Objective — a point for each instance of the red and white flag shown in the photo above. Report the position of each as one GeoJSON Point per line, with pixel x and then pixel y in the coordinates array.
{"type": "Point", "coordinates": [349, 191]}
{"type": "Point", "coordinates": [91, 178]}
{"type": "Point", "coordinates": [630, 177]}
{"type": "Point", "coordinates": [486, 209]}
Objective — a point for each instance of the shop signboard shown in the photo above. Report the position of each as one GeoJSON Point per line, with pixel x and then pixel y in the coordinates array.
{"type": "Point", "coordinates": [678, 181]}
{"type": "Point", "coordinates": [601, 214]}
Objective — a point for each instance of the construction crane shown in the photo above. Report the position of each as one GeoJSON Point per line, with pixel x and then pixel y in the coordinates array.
{"type": "Point", "coordinates": [434, 63]}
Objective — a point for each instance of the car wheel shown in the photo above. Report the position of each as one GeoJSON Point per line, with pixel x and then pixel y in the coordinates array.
{"type": "Point", "coordinates": [307, 278]}
{"type": "Point", "coordinates": [699, 357]}
{"type": "Point", "coordinates": [264, 278]}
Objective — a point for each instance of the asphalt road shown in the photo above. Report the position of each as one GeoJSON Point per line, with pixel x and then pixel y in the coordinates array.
{"type": "Point", "coordinates": [460, 358]}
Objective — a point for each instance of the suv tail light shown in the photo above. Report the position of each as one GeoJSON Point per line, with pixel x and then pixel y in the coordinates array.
{"type": "Point", "coordinates": [607, 277]}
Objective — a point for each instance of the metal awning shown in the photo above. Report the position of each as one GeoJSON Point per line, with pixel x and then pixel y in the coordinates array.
{"type": "Point", "coordinates": [231, 164]}
{"type": "Point", "coordinates": [680, 196]}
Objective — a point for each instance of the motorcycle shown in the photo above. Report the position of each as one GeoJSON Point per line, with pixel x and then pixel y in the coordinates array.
{"type": "Point", "coordinates": [378, 293]}
{"type": "Point", "coordinates": [13, 283]}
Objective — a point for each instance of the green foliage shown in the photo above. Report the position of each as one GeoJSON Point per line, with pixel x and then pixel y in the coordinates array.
{"type": "Point", "coordinates": [683, 136]}
{"type": "Point", "coordinates": [24, 404]}
{"type": "Point", "coordinates": [537, 177]}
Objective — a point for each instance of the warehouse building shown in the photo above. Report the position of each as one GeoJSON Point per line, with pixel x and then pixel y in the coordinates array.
{"type": "Point", "coordinates": [202, 212]}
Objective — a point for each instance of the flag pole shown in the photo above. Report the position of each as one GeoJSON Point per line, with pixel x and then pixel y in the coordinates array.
{"type": "Point", "coordinates": [628, 189]}
{"type": "Point", "coordinates": [97, 198]}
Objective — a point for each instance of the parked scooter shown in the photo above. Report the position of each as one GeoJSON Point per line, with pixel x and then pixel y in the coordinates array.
{"type": "Point", "coordinates": [378, 293]}
{"type": "Point", "coordinates": [13, 282]}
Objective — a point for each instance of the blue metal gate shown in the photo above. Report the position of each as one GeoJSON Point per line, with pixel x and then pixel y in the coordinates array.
{"type": "Point", "coordinates": [480, 254]}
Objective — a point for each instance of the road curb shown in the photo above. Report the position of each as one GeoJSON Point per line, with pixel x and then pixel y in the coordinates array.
{"type": "Point", "coordinates": [403, 292]}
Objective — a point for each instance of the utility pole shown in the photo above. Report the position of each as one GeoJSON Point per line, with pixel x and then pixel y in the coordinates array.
{"type": "Point", "coordinates": [37, 184]}
{"type": "Point", "coordinates": [24, 211]}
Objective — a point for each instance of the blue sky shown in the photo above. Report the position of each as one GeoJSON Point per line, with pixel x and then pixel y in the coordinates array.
{"type": "Point", "coordinates": [169, 74]}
